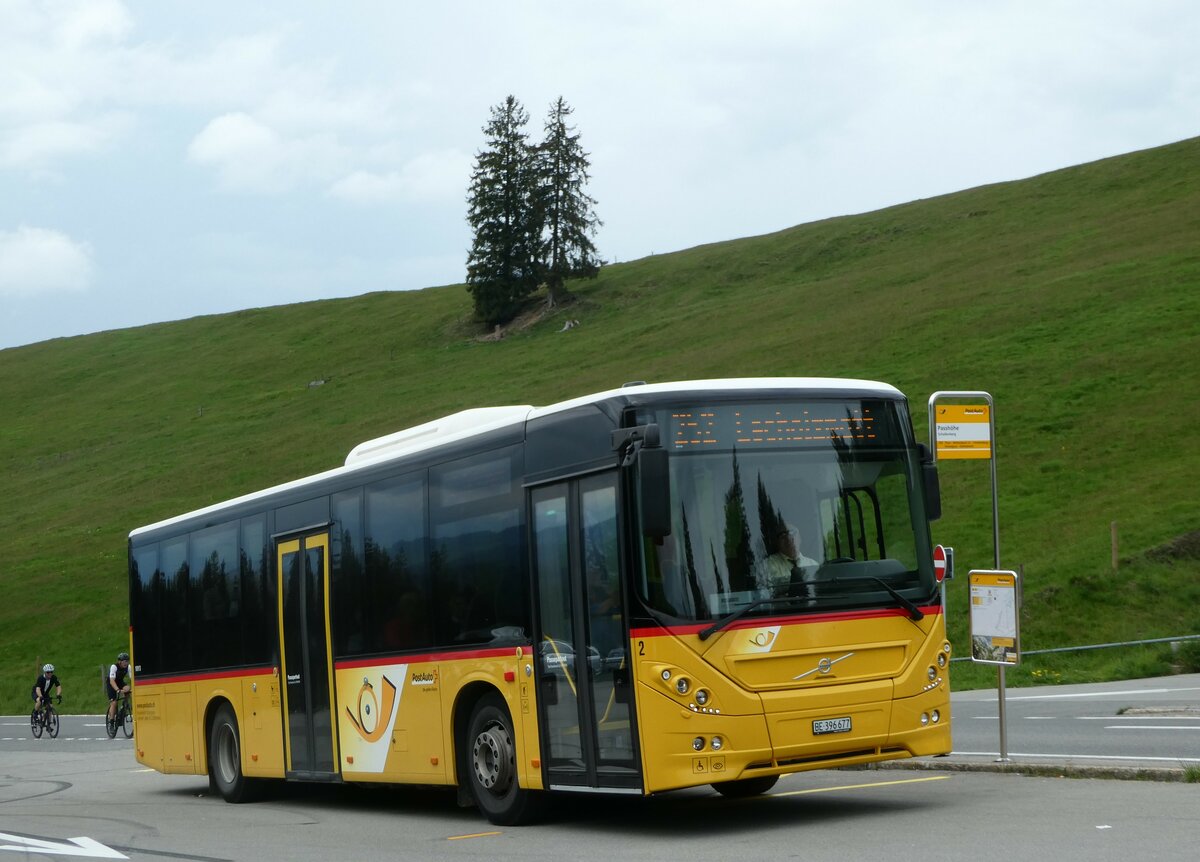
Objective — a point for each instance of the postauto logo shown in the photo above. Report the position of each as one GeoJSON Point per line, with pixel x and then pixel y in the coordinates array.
{"type": "Point", "coordinates": [371, 722]}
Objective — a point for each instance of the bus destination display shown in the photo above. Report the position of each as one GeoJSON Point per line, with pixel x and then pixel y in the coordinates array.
{"type": "Point", "coordinates": [773, 425]}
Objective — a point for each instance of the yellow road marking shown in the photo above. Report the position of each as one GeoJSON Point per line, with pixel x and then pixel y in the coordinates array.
{"type": "Point", "coordinates": [861, 786]}
{"type": "Point", "coordinates": [475, 835]}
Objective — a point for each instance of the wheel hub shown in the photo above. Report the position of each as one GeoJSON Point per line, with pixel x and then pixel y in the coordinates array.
{"type": "Point", "coordinates": [493, 759]}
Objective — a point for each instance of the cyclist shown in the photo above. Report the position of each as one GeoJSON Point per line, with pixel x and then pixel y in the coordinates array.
{"type": "Point", "coordinates": [118, 683]}
{"type": "Point", "coordinates": [48, 680]}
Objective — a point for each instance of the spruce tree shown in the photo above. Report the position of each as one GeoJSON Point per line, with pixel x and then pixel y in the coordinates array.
{"type": "Point", "coordinates": [502, 266]}
{"type": "Point", "coordinates": [562, 207]}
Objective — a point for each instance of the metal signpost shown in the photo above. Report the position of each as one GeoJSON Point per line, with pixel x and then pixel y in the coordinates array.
{"type": "Point", "coordinates": [968, 431]}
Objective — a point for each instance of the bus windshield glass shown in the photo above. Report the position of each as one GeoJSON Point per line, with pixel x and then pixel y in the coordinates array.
{"type": "Point", "coordinates": [813, 505]}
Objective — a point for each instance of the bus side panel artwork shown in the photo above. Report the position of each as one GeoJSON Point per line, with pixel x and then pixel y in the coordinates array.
{"type": "Point", "coordinates": [389, 722]}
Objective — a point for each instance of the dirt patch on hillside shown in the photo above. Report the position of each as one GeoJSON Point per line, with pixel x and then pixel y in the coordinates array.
{"type": "Point", "coordinates": [1185, 547]}
{"type": "Point", "coordinates": [532, 316]}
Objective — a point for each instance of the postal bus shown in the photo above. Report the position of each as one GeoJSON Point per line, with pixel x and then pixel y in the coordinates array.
{"type": "Point", "coordinates": [516, 600]}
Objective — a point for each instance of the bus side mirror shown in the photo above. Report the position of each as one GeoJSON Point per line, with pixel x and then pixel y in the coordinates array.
{"type": "Point", "coordinates": [933, 487]}
{"type": "Point", "coordinates": [654, 489]}
{"type": "Point", "coordinates": [639, 449]}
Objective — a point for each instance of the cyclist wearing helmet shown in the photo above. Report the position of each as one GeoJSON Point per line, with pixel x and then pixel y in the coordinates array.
{"type": "Point", "coordinates": [118, 683]}
{"type": "Point", "coordinates": [45, 682]}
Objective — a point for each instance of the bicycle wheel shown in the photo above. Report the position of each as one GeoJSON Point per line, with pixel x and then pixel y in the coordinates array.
{"type": "Point", "coordinates": [110, 726]}
{"type": "Point", "coordinates": [52, 721]}
{"type": "Point", "coordinates": [35, 724]}
{"type": "Point", "coordinates": [127, 721]}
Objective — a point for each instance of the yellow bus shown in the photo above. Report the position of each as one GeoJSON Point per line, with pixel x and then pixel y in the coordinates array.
{"type": "Point", "coordinates": [655, 587]}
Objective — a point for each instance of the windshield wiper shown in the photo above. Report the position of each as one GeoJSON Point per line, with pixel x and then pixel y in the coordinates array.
{"type": "Point", "coordinates": [914, 612]}
{"type": "Point", "coordinates": [705, 634]}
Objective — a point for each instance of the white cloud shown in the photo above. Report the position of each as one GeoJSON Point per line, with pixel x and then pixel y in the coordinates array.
{"type": "Point", "coordinates": [244, 150]}
{"type": "Point", "coordinates": [84, 22]}
{"type": "Point", "coordinates": [251, 156]}
{"type": "Point", "coordinates": [36, 261]}
{"type": "Point", "coordinates": [430, 177]}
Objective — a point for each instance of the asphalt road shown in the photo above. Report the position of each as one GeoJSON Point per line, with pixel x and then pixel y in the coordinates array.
{"type": "Point", "coordinates": [1150, 723]}
{"type": "Point", "coordinates": [83, 796]}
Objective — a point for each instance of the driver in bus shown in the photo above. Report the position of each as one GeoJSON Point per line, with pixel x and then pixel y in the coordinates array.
{"type": "Point", "coordinates": [788, 565]}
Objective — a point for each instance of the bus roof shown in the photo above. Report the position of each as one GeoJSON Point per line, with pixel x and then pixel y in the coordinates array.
{"type": "Point", "coordinates": [469, 423]}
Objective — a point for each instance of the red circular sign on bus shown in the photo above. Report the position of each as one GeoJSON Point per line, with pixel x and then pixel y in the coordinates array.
{"type": "Point", "coordinates": [939, 563]}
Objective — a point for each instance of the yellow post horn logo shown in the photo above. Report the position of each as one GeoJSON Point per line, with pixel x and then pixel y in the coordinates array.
{"type": "Point", "coordinates": [371, 721]}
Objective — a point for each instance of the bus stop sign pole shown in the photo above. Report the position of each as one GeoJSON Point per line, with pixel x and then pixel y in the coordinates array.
{"type": "Point", "coordinates": [968, 431]}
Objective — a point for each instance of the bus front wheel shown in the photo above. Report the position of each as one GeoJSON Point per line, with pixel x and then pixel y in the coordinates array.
{"type": "Point", "coordinates": [225, 758]}
{"type": "Point", "coordinates": [744, 787]}
{"type": "Point", "coordinates": [490, 766]}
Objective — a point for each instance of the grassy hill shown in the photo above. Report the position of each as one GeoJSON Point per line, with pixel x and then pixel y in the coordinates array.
{"type": "Point", "coordinates": [1073, 297]}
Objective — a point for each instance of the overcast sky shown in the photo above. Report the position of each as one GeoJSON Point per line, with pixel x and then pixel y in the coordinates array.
{"type": "Point", "coordinates": [163, 160]}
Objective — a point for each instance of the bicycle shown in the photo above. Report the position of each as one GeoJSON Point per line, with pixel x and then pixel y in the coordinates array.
{"type": "Point", "coordinates": [44, 719]}
{"type": "Point", "coordinates": [123, 718]}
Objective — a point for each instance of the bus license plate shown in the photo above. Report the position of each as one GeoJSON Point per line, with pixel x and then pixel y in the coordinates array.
{"type": "Point", "coordinates": [831, 725]}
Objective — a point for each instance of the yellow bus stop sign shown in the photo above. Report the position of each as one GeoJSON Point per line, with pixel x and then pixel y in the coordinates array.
{"type": "Point", "coordinates": [963, 431]}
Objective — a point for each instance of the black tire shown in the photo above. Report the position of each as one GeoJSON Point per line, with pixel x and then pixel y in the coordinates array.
{"type": "Point", "coordinates": [51, 721]}
{"type": "Point", "coordinates": [110, 726]}
{"type": "Point", "coordinates": [127, 721]}
{"type": "Point", "coordinates": [489, 766]}
{"type": "Point", "coordinates": [225, 759]}
{"type": "Point", "coordinates": [743, 787]}
{"type": "Point", "coordinates": [35, 723]}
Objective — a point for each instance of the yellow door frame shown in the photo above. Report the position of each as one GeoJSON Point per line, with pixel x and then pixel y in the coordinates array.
{"type": "Point", "coordinates": [295, 546]}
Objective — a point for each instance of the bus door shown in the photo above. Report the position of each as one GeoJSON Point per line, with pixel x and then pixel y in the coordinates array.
{"type": "Point", "coordinates": [309, 742]}
{"type": "Point", "coordinates": [585, 695]}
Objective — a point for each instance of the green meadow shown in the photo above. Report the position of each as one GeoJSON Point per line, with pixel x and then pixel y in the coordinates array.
{"type": "Point", "coordinates": [1072, 297]}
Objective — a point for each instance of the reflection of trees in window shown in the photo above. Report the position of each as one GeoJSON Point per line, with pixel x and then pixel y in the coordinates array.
{"type": "Point", "coordinates": [739, 556]}
{"type": "Point", "coordinates": [146, 589]}
{"type": "Point", "coordinates": [258, 636]}
{"type": "Point", "coordinates": [215, 589]}
{"type": "Point", "coordinates": [694, 599]}
{"type": "Point", "coordinates": [770, 519]}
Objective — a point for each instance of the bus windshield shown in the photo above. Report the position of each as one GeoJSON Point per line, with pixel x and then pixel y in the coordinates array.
{"type": "Point", "coordinates": [814, 501]}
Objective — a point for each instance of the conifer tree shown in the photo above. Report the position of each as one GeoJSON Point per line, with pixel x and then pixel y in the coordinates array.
{"type": "Point", "coordinates": [562, 207]}
{"type": "Point", "coordinates": [502, 266]}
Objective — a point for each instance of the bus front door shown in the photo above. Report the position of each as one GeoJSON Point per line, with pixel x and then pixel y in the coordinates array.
{"type": "Point", "coordinates": [584, 682]}
{"type": "Point", "coordinates": [309, 742]}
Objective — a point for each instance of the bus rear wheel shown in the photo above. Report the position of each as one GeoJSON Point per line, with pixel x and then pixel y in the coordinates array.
{"type": "Point", "coordinates": [744, 787]}
{"type": "Point", "coordinates": [490, 766]}
{"type": "Point", "coordinates": [225, 758]}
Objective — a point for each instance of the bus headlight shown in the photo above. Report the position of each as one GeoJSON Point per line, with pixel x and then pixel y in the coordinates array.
{"type": "Point", "coordinates": [936, 716]}
{"type": "Point", "coordinates": [932, 672]}
{"type": "Point", "coordinates": [682, 685]}
{"type": "Point", "coordinates": [717, 743]}
{"type": "Point", "coordinates": [698, 743]}
{"type": "Point", "coordinates": [924, 719]}
{"type": "Point", "coordinates": [941, 659]}
{"type": "Point", "coordinates": [701, 696]}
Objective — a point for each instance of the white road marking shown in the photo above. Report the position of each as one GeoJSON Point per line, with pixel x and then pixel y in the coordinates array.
{"type": "Point", "coordinates": [1071, 757]}
{"type": "Point", "coordinates": [1151, 727]}
{"type": "Point", "coordinates": [1138, 717]}
{"type": "Point", "coordinates": [1101, 693]}
{"type": "Point", "coordinates": [77, 847]}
